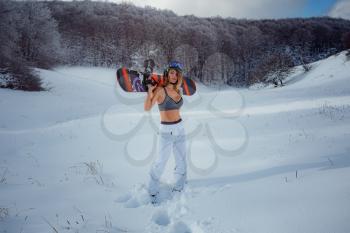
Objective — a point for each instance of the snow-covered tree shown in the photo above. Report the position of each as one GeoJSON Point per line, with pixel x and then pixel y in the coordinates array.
{"type": "Point", "coordinates": [9, 35]}
{"type": "Point", "coordinates": [39, 40]}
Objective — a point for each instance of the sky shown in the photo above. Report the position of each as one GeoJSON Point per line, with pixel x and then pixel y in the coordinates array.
{"type": "Point", "coordinates": [252, 9]}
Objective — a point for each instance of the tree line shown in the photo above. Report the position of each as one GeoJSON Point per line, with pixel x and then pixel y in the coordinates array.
{"type": "Point", "coordinates": [215, 50]}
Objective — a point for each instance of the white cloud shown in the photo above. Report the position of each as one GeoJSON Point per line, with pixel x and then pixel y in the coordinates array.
{"type": "Point", "coordinates": [341, 9]}
{"type": "Point", "coordinates": [256, 9]}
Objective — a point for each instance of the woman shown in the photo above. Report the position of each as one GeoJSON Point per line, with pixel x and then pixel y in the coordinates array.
{"type": "Point", "coordinates": [171, 130]}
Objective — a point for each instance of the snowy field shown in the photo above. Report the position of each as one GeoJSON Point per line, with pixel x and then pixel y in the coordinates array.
{"type": "Point", "coordinates": [269, 160]}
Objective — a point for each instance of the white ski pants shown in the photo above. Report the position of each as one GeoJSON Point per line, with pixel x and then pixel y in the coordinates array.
{"type": "Point", "coordinates": [171, 138]}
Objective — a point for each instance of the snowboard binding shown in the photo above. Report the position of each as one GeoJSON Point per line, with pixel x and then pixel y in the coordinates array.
{"type": "Point", "coordinates": [147, 74]}
{"type": "Point", "coordinates": [148, 65]}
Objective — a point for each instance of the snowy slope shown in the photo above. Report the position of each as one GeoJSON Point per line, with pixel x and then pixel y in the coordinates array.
{"type": "Point", "coordinates": [76, 158]}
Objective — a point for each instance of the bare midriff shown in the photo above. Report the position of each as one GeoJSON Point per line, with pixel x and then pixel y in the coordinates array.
{"type": "Point", "coordinates": [170, 115]}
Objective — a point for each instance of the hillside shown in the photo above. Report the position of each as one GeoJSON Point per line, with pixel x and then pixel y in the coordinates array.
{"type": "Point", "coordinates": [65, 169]}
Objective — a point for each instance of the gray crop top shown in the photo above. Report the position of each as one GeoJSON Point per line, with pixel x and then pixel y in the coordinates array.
{"type": "Point", "coordinates": [169, 103]}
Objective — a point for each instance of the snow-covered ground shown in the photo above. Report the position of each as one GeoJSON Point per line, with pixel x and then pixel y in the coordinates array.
{"type": "Point", "coordinates": [76, 158]}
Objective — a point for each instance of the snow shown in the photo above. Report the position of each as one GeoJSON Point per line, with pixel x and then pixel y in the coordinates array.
{"type": "Point", "coordinates": [76, 158]}
{"type": "Point", "coordinates": [4, 79]}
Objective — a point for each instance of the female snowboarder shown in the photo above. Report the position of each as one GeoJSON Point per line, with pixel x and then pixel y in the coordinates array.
{"type": "Point", "coordinates": [171, 129]}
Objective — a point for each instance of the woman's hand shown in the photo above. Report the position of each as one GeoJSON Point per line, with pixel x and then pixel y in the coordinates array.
{"type": "Point", "coordinates": [150, 90]}
{"type": "Point", "coordinates": [151, 98]}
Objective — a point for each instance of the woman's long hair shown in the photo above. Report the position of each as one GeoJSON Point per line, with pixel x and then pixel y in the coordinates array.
{"type": "Point", "coordinates": [179, 80]}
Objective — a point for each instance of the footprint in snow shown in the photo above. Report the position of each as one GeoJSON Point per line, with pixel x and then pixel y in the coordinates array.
{"type": "Point", "coordinates": [135, 198]}
{"type": "Point", "coordinates": [180, 227]}
{"type": "Point", "coordinates": [161, 218]}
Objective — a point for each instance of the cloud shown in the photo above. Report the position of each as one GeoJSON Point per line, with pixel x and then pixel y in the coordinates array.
{"type": "Point", "coordinates": [252, 9]}
{"type": "Point", "coordinates": [341, 9]}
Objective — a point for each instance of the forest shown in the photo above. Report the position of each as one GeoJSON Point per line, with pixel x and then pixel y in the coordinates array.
{"type": "Point", "coordinates": [214, 50]}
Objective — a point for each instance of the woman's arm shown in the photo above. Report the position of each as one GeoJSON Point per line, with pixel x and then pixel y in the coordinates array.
{"type": "Point", "coordinates": [151, 98]}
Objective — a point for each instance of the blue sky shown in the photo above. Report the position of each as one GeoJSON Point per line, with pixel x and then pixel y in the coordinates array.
{"type": "Point", "coordinates": [318, 7]}
{"type": "Point", "coordinates": [252, 9]}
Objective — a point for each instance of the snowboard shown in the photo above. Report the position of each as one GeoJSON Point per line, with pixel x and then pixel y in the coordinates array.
{"type": "Point", "coordinates": [136, 81]}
